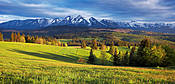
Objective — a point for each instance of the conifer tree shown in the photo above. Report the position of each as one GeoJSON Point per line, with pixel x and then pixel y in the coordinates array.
{"type": "Point", "coordinates": [169, 59]}
{"type": "Point", "coordinates": [65, 45]}
{"type": "Point", "coordinates": [132, 57]}
{"type": "Point", "coordinates": [91, 59]}
{"type": "Point", "coordinates": [144, 51]}
{"type": "Point", "coordinates": [115, 58]}
{"type": "Point", "coordinates": [28, 39]}
{"type": "Point", "coordinates": [126, 59]}
{"type": "Point", "coordinates": [1, 37]}
{"type": "Point", "coordinates": [33, 39]}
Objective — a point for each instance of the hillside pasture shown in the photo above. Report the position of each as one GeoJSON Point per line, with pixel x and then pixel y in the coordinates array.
{"type": "Point", "coordinates": [26, 63]}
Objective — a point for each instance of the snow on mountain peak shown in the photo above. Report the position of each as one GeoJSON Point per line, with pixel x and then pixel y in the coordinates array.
{"type": "Point", "coordinates": [81, 21]}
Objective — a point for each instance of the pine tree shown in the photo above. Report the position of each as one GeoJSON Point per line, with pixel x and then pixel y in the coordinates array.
{"type": "Point", "coordinates": [33, 39]}
{"type": "Point", "coordinates": [129, 46]}
{"type": "Point", "coordinates": [65, 45]}
{"type": "Point", "coordinates": [144, 51]}
{"type": "Point", "coordinates": [120, 58]}
{"type": "Point", "coordinates": [28, 39]}
{"type": "Point", "coordinates": [91, 59]}
{"type": "Point", "coordinates": [132, 57]}
{"type": "Point", "coordinates": [126, 59]}
{"type": "Point", "coordinates": [83, 44]}
{"type": "Point", "coordinates": [115, 57]}
{"type": "Point", "coordinates": [1, 37]}
{"type": "Point", "coordinates": [169, 59]}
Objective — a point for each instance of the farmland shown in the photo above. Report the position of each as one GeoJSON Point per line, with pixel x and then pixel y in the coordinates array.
{"type": "Point", "coordinates": [35, 63]}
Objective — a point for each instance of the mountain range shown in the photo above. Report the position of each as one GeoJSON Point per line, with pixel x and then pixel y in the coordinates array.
{"type": "Point", "coordinates": [79, 21]}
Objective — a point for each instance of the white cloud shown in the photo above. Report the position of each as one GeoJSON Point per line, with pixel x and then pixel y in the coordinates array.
{"type": "Point", "coordinates": [148, 4]}
{"type": "Point", "coordinates": [5, 18]}
{"type": "Point", "coordinates": [34, 5]}
{"type": "Point", "coordinates": [8, 1]}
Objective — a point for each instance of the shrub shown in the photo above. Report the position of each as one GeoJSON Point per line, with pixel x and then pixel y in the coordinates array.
{"type": "Point", "coordinates": [81, 60]}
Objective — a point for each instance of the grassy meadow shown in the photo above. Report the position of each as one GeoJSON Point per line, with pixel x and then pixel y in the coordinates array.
{"type": "Point", "coordinates": [26, 63]}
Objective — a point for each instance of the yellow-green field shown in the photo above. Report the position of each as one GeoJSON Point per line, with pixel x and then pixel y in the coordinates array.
{"type": "Point", "coordinates": [23, 63]}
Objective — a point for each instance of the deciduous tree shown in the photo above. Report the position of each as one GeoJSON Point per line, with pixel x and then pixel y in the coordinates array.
{"type": "Point", "coordinates": [1, 37]}
{"type": "Point", "coordinates": [83, 44]}
{"type": "Point", "coordinates": [94, 44]}
{"type": "Point", "coordinates": [112, 49]}
{"type": "Point", "coordinates": [18, 37]}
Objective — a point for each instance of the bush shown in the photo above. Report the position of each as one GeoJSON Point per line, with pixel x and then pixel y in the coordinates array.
{"type": "Point", "coordinates": [81, 60]}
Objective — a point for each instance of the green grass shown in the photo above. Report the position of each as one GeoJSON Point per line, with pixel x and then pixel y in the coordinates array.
{"type": "Point", "coordinates": [25, 63]}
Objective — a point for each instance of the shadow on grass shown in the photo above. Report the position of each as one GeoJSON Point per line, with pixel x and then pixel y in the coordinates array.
{"type": "Point", "coordinates": [47, 55]}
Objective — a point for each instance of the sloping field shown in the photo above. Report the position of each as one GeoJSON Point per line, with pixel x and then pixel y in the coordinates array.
{"type": "Point", "coordinates": [23, 63]}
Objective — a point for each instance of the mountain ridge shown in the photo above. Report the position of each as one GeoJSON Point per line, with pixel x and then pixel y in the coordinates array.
{"type": "Point", "coordinates": [80, 21]}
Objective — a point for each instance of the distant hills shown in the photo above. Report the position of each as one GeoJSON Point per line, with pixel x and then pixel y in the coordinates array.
{"type": "Point", "coordinates": [79, 21]}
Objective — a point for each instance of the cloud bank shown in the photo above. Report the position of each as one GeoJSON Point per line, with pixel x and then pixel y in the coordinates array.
{"type": "Point", "coordinates": [123, 10]}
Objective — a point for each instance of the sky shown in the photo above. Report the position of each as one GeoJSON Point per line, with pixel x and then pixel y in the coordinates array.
{"type": "Point", "coordinates": [118, 10]}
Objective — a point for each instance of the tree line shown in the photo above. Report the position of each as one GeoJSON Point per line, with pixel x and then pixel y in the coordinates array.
{"type": "Point", "coordinates": [19, 37]}
{"type": "Point", "coordinates": [146, 54]}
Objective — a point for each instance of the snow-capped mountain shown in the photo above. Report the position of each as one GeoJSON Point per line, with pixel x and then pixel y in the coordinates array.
{"type": "Point", "coordinates": [79, 21]}
{"type": "Point", "coordinates": [95, 23]}
{"type": "Point", "coordinates": [26, 24]}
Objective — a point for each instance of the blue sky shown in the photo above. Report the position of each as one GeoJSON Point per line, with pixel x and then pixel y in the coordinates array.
{"type": "Point", "coordinates": [120, 10]}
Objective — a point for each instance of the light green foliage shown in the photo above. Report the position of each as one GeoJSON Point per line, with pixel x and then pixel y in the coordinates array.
{"type": "Point", "coordinates": [26, 63]}
{"type": "Point", "coordinates": [22, 39]}
{"type": "Point", "coordinates": [103, 57]}
{"type": "Point", "coordinates": [65, 45]}
{"type": "Point", "coordinates": [157, 56]}
{"type": "Point", "coordinates": [150, 55]}
{"type": "Point", "coordinates": [112, 50]}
